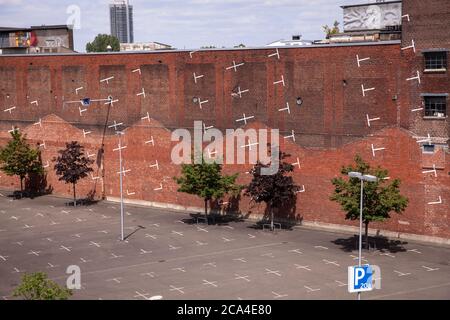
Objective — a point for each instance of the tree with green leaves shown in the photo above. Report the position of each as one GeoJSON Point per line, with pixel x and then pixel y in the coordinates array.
{"type": "Point", "coordinates": [205, 180]}
{"type": "Point", "coordinates": [274, 190]}
{"type": "Point", "coordinates": [17, 158]}
{"type": "Point", "coordinates": [37, 286]}
{"type": "Point", "coordinates": [72, 165]}
{"type": "Point", "coordinates": [101, 43]}
{"type": "Point", "coordinates": [330, 31]}
{"type": "Point", "coordinates": [380, 197]}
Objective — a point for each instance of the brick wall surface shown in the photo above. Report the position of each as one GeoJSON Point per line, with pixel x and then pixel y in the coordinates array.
{"type": "Point", "coordinates": [330, 126]}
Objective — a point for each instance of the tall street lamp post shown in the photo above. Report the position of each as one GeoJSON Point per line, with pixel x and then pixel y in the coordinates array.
{"type": "Point", "coordinates": [362, 178]}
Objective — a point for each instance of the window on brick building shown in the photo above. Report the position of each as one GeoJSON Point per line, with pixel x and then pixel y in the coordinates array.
{"type": "Point", "coordinates": [435, 61]}
{"type": "Point", "coordinates": [428, 148]}
{"type": "Point", "coordinates": [435, 106]}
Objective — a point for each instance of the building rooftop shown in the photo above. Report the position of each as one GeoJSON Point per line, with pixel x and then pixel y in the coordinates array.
{"type": "Point", "coordinates": [370, 3]}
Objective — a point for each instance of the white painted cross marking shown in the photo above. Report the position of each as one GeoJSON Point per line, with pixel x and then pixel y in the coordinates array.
{"type": "Point", "coordinates": [239, 277]}
{"type": "Point", "coordinates": [115, 125]}
{"type": "Point", "coordinates": [35, 102]}
{"type": "Point", "coordinates": [142, 295]}
{"type": "Point", "coordinates": [376, 149]}
{"type": "Point", "coordinates": [297, 266]}
{"type": "Point", "coordinates": [81, 111]}
{"type": "Point", "coordinates": [92, 243]}
{"type": "Point", "coordinates": [78, 89]}
{"type": "Point", "coordinates": [428, 269]}
{"type": "Point", "coordinates": [136, 70]}
{"type": "Point", "coordinates": [3, 257]}
{"type": "Point", "coordinates": [250, 145]}
{"type": "Point", "coordinates": [296, 251]}
{"type": "Point", "coordinates": [269, 254]}
{"type": "Point", "coordinates": [199, 243]}
{"type": "Point", "coordinates": [65, 248]}
{"type": "Point", "coordinates": [364, 90]}
{"type": "Point", "coordinates": [434, 171]}
{"type": "Point", "coordinates": [311, 289]}
{"type": "Point", "coordinates": [321, 247]}
{"type": "Point", "coordinates": [180, 289]}
{"type": "Point", "coordinates": [280, 81]}
{"type": "Point", "coordinates": [38, 123]}
{"type": "Point", "coordinates": [226, 239]}
{"type": "Point", "coordinates": [235, 66]}
{"type": "Point", "coordinates": [201, 103]}
{"type": "Point", "coordinates": [358, 60]}
{"type": "Point", "coordinates": [206, 128]}
{"type": "Point", "coordinates": [426, 140]}
{"type": "Point", "coordinates": [412, 46]}
{"type": "Point", "coordinates": [297, 163]}
{"type": "Point", "coordinates": [197, 77]}
{"type": "Point", "coordinates": [147, 117]}
{"type": "Point", "coordinates": [177, 233]}
{"type": "Point", "coordinates": [27, 227]}
{"type": "Point", "coordinates": [36, 253]}
{"type": "Point", "coordinates": [9, 110]}
{"type": "Point", "coordinates": [150, 236]}
{"type": "Point", "coordinates": [288, 109]}
{"type": "Point", "coordinates": [245, 118]}
{"type": "Point", "coordinates": [277, 54]}
{"type": "Point", "coordinates": [151, 141]}
{"type": "Point", "coordinates": [275, 272]}
{"type": "Point", "coordinates": [106, 79]}
{"type": "Point", "coordinates": [181, 269]}
{"type": "Point", "coordinates": [240, 260]}
{"type": "Point", "coordinates": [417, 109]}
{"type": "Point", "coordinates": [145, 252]}
{"type": "Point", "coordinates": [210, 264]}
{"type": "Point", "coordinates": [51, 266]}
{"type": "Point", "coordinates": [171, 247]}
{"type": "Point", "coordinates": [415, 251]}
{"type": "Point", "coordinates": [406, 16]}
{"type": "Point", "coordinates": [278, 295]}
{"type": "Point", "coordinates": [210, 283]}
{"type": "Point", "coordinates": [160, 187]}
{"type": "Point", "coordinates": [331, 262]}
{"type": "Point", "coordinates": [239, 93]}
{"type": "Point", "coordinates": [148, 274]}
{"type": "Point", "coordinates": [115, 256]}
{"type": "Point", "coordinates": [302, 190]}
{"type": "Point", "coordinates": [251, 236]}
{"type": "Point", "coordinates": [292, 136]}
{"type": "Point", "coordinates": [436, 202]}
{"type": "Point", "coordinates": [370, 120]}
{"type": "Point", "coordinates": [387, 254]}
{"type": "Point", "coordinates": [142, 93]}
{"type": "Point", "coordinates": [156, 165]}
{"type": "Point", "coordinates": [340, 283]}
{"type": "Point", "coordinates": [417, 77]}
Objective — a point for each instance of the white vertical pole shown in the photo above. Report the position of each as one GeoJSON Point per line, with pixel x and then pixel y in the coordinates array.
{"type": "Point", "coordinates": [360, 228]}
{"type": "Point", "coordinates": [121, 187]}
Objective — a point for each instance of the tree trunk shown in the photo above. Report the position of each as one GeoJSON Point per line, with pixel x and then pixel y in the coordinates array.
{"type": "Point", "coordinates": [74, 196]}
{"type": "Point", "coordinates": [206, 211]}
{"type": "Point", "coordinates": [367, 234]}
{"type": "Point", "coordinates": [21, 186]}
{"type": "Point", "coordinates": [271, 219]}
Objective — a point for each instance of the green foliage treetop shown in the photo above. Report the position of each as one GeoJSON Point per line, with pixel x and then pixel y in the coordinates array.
{"type": "Point", "coordinates": [37, 286]}
{"type": "Point", "coordinates": [101, 43]}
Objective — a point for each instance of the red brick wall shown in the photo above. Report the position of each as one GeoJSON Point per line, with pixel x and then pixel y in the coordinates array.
{"type": "Point", "coordinates": [330, 126]}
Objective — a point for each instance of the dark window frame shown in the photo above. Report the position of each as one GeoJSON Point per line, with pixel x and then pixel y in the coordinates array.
{"type": "Point", "coordinates": [435, 60]}
{"type": "Point", "coordinates": [435, 105]}
{"type": "Point", "coordinates": [424, 150]}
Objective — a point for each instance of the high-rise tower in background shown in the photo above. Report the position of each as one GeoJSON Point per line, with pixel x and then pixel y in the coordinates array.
{"type": "Point", "coordinates": [121, 17]}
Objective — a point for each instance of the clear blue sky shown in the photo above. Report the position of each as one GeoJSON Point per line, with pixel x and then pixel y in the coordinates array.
{"type": "Point", "coordinates": [187, 23]}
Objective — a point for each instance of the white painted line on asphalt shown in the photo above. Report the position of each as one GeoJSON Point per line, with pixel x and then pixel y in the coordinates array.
{"type": "Point", "coordinates": [415, 251]}
{"type": "Point", "coordinates": [92, 243]}
{"type": "Point", "coordinates": [275, 272]}
{"type": "Point", "coordinates": [311, 289]}
{"type": "Point", "coordinates": [53, 223]}
{"type": "Point", "coordinates": [84, 260]}
{"type": "Point", "coordinates": [202, 229]}
{"type": "Point", "coordinates": [36, 253]}
{"type": "Point", "coordinates": [210, 283]}
{"type": "Point", "coordinates": [251, 236]}
{"type": "Point", "coordinates": [77, 235]}
{"type": "Point", "coordinates": [65, 248]}
{"type": "Point", "coordinates": [297, 266]}
{"type": "Point", "coordinates": [331, 262]}
{"type": "Point", "coordinates": [51, 266]}
{"type": "Point", "coordinates": [180, 269]}
{"type": "Point", "coordinates": [387, 254]}
{"type": "Point", "coordinates": [3, 257]}
{"type": "Point", "coordinates": [114, 256]}
{"type": "Point", "coordinates": [142, 295]}
{"type": "Point", "coordinates": [103, 231]}
{"type": "Point", "coordinates": [296, 251]}
{"type": "Point", "coordinates": [116, 280]}
{"type": "Point", "coordinates": [278, 295]}
{"type": "Point", "coordinates": [429, 269]}
{"type": "Point", "coordinates": [269, 254]}
{"type": "Point", "coordinates": [226, 239]}
{"type": "Point", "coordinates": [180, 289]}
{"type": "Point", "coordinates": [177, 233]}
{"type": "Point", "coordinates": [340, 283]}
{"type": "Point", "coordinates": [145, 252]}
{"type": "Point", "coordinates": [16, 270]}
{"type": "Point", "coordinates": [27, 227]}
{"type": "Point", "coordinates": [199, 243]}
{"type": "Point", "coordinates": [401, 274]}
{"type": "Point", "coordinates": [148, 274]}
{"type": "Point", "coordinates": [321, 247]}
{"type": "Point", "coordinates": [239, 277]}
{"type": "Point", "coordinates": [49, 239]}
{"type": "Point", "coordinates": [20, 243]}
{"type": "Point", "coordinates": [150, 236]}
{"type": "Point", "coordinates": [241, 260]}
{"type": "Point", "coordinates": [171, 247]}
{"type": "Point", "coordinates": [210, 264]}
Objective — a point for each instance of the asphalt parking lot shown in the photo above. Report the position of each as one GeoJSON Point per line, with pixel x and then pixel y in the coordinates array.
{"type": "Point", "coordinates": [163, 255]}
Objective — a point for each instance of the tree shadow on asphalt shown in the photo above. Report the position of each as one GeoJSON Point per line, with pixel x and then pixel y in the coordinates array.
{"type": "Point", "coordinates": [380, 243]}
{"type": "Point", "coordinates": [213, 219]}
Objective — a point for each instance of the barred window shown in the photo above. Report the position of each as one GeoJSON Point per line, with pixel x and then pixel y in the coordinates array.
{"type": "Point", "coordinates": [436, 60]}
{"type": "Point", "coordinates": [435, 106]}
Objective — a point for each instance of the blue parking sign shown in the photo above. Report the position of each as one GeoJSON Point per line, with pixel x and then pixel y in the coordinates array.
{"type": "Point", "coordinates": [360, 278]}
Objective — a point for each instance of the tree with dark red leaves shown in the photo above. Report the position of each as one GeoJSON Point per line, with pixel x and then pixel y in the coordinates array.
{"type": "Point", "coordinates": [275, 190]}
{"type": "Point", "coordinates": [72, 165]}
